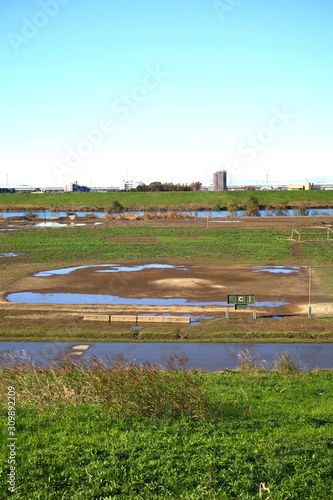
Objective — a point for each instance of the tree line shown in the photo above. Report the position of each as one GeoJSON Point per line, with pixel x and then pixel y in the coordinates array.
{"type": "Point", "coordinates": [168, 186]}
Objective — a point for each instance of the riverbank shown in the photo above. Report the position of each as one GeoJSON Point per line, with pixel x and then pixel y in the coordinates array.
{"type": "Point", "coordinates": [164, 201]}
{"type": "Point", "coordinates": [33, 323]}
{"type": "Point", "coordinates": [220, 435]}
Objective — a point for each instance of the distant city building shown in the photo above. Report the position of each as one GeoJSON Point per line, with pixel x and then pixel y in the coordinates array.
{"type": "Point", "coordinates": [107, 189]}
{"type": "Point", "coordinates": [73, 187]}
{"type": "Point", "coordinates": [128, 185]}
{"type": "Point", "coordinates": [300, 187]}
{"type": "Point", "coordinates": [220, 181]}
{"type": "Point", "coordinates": [36, 189]}
{"type": "Point", "coordinates": [323, 185]}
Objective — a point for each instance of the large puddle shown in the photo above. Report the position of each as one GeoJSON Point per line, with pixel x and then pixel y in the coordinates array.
{"type": "Point", "coordinates": [277, 269]}
{"type": "Point", "coordinates": [207, 357]}
{"type": "Point", "coordinates": [16, 227]}
{"type": "Point", "coordinates": [85, 298]}
{"type": "Point", "coordinates": [157, 284]}
{"type": "Point", "coordinates": [111, 268]}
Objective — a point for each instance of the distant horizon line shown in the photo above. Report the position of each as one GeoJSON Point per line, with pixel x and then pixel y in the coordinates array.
{"type": "Point", "coordinates": [246, 182]}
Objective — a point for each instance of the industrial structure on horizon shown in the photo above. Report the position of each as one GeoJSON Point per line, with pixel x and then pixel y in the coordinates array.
{"type": "Point", "coordinates": [219, 184]}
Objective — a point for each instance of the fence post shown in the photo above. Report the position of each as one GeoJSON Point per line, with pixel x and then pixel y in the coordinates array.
{"type": "Point", "coordinates": [310, 290]}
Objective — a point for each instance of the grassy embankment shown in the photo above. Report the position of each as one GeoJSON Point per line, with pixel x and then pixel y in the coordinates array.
{"type": "Point", "coordinates": [55, 248]}
{"type": "Point", "coordinates": [205, 200]}
{"type": "Point", "coordinates": [100, 435]}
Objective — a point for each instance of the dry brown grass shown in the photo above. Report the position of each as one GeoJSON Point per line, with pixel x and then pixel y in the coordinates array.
{"type": "Point", "coordinates": [127, 389]}
{"type": "Point", "coordinates": [148, 216]}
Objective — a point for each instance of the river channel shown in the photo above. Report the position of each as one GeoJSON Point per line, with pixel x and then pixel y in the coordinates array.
{"type": "Point", "coordinates": [208, 213]}
{"type": "Point", "coordinates": [203, 356]}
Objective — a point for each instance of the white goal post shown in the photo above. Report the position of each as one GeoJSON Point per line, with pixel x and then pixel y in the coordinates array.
{"type": "Point", "coordinates": [295, 238]}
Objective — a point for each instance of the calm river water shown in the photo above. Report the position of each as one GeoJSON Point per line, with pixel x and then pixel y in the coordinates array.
{"type": "Point", "coordinates": [207, 357]}
{"type": "Point", "coordinates": [220, 213]}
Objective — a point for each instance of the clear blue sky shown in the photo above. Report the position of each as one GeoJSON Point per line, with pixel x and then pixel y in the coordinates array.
{"type": "Point", "coordinates": [177, 88]}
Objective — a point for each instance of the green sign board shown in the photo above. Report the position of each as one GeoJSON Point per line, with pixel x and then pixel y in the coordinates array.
{"type": "Point", "coordinates": [241, 299]}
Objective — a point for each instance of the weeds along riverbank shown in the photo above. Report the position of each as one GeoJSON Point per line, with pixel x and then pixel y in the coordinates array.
{"type": "Point", "coordinates": [136, 432]}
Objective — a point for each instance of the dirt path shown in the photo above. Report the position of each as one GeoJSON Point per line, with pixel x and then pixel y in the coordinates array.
{"type": "Point", "coordinates": [297, 250]}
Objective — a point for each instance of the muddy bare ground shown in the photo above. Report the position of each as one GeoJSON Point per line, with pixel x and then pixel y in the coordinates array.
{"type": "Point", "coordinates": [281, 222]}
{"type": "Point", "coordinates": [194, 283]}
{"type": "Point", "coordinates": [204, 283]}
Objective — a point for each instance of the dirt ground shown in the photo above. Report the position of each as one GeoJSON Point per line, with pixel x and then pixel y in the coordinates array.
{"type": "Point", "coordinates": [194, 283]}
{"type": "Point", "coordinates": [203, 283]}
{"type": "Point", "coordinates": [285, 222]}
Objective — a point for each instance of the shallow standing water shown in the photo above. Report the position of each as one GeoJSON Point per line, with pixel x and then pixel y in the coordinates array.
{"type": "Point", "coordinates": [204, 356]}
{"type": "Point", "coordinates": [86, 298]}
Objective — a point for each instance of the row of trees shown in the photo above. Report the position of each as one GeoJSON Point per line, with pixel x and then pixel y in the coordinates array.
{"type": "Point", "coordinates": [251, 205]}
{"type": "Point", "coordinates": [169, 186]}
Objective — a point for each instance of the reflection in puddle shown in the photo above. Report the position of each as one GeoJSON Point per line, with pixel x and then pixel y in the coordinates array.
{"type": "Point", "coordinates": [49, 224]}
{"type": "Point", "coordinates": [58, 224]}
{"type": "Point", "coordinates": [113, 268]}
{"type": "Point", "coordinates": [82, 298]}
{"type": "Point", "coordinates": [277, 269]}
{"type": "Point", "coordinates": [67, 270]}
{"type": "Point", "coordinates": [126, 269]}
{"type": "Point", "coordinates": [8, 254]}
{"type": "Point", "coordinates": [195, 320]}
{"type": "Point", "coordinates": [76, 351]}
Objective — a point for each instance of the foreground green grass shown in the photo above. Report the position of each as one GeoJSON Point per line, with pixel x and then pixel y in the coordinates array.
{"type": "Point", "coordinates": [137, 200]}
{"type": "Point", "coordinates": [250, 246]}
{"type": "Point", "coordinates": [85, 438]}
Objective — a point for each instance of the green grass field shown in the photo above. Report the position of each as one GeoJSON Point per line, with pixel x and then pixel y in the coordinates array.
{"type": "Point", "coordinates": [166, 200]}
{"type": "Point", "coordinates": [196, 244]}
{"type": "Point", "coordinates": [93, 435]}
{"type": "Point", "coordinates": [55, 248]}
